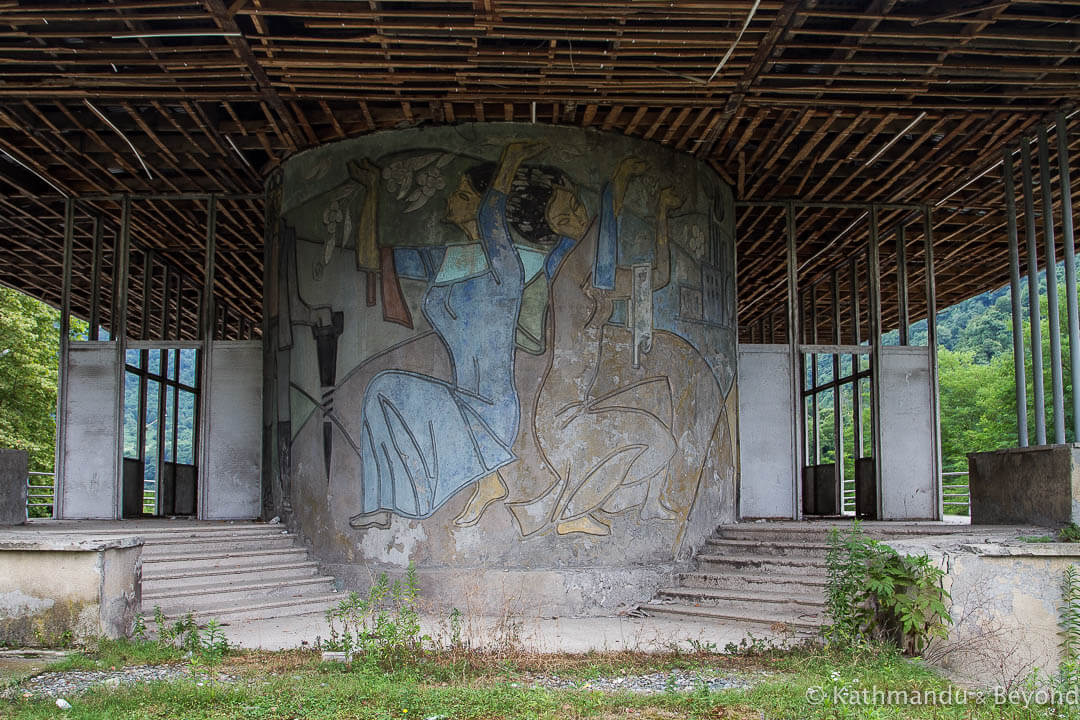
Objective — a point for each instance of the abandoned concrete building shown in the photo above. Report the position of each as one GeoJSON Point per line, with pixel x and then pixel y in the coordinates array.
{"type": "Point", "coordinates": [686, 229]}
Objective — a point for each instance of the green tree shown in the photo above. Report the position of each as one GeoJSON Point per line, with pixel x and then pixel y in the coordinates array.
{"type": "Point", "coordinates": [29, 361]}
{"type": "Point", "coordinates": [978, 405]}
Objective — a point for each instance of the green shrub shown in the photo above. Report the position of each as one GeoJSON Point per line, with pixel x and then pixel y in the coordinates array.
{"type": "Point", "coordinates": [874, 594]}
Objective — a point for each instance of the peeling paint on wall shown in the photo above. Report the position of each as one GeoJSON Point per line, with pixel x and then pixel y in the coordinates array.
{"type": "Point", "coordinates": [16, 603]}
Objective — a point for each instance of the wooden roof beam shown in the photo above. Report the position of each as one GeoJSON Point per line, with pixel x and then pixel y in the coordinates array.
{"type": "Point", "coordinates": [227, 23]}
{"type": "Point", "coordinates": [765, 48]}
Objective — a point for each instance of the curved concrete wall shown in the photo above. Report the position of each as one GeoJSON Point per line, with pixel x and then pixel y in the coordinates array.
{"type": "Point", "coordinates": [506, 354]}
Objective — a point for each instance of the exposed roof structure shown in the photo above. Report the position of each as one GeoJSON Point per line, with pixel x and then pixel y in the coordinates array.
{"type": "Point", "coordinates": [890, 101]}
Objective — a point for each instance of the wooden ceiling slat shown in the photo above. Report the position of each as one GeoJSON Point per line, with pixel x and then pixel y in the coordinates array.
{"type": "Point", "coordinates": [805, 99]}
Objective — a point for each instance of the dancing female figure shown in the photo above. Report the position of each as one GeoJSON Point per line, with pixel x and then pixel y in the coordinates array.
{"type": "Point", "coordinates": [425, 439]}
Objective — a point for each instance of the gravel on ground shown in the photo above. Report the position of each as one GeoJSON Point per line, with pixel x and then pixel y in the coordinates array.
{"type": "Point", "coordinates": [659, 682]}
{"type": "Point", "coordinates": [72, 682]}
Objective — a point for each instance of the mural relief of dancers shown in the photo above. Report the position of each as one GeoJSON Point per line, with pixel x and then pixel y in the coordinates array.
{"type": "Point", "coordinates": [425, 439]}
{"type": "Point", "coordinates": [605, 417]}
{"type": "Point", "coordinates": [461, 264]}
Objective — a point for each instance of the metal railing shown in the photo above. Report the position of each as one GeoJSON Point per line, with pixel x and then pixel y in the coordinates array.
{"type": "Point", "coordinates": [149, 499]}
{"type": "Point", "coordinates": [40, 496]}
{"type": "Point", "coordinates": [956, 497]}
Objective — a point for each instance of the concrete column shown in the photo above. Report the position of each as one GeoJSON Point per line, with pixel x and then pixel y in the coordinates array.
{"type": "Point", "coordinates": [1014, 288]}
{"type": "Point", "coordinates": [14, 465]}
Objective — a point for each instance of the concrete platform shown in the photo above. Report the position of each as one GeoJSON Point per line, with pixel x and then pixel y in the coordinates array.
{"type": "Point", "coordinates": [133, 526]}
{"type": "Point", "coordinates": [540, 635]}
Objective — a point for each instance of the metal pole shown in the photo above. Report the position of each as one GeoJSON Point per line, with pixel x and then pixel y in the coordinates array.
{"type": "Point", "coordinates": [796, 365]}
{"type": "Point", "coordinates": [838, 440]}
{"type": "Point", "coordinates": [206, 334]}
{"type": "Point", "coordinates": [1065, 183]}
{"type": "Point", "coordinates": [209, 314]}
{"type": "Point", "coordinates": [806, 437]}
{"type": "Point", "coordinates": [165, 283]}
{"type": "Point", "coordinates": [1053, 316]}
{"type": "Point", "coordinates": [147, 280]}
{"type": "Point", "coordinates": [1034, 311]}
{"type": "Point", "coordinates": [1014, 288]}
{"type": "Point", "coordinates": [95, 279]}
{"type": "Point", "coordinates": [856, 395]}
{"type": "Point", "coordinates": [179, 303]}
{"type": "Point", "coordinates": [121, 265]}
{"type": "Point", "coordinates": [874, 270]}
{"type": "Point", "coordinates": [813, 374]}
{"type": "Point", "coordinates": [65, 288]}
{"type": "Point", "coordinates": [931, 342]}
{"type": "Point", "coordinates": [59, 466]}
{"type": "Point", "coordinates": [902, 284]}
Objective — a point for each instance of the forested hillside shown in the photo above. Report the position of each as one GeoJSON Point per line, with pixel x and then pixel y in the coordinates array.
{"type": "Point", "coordinates": [978, 405]}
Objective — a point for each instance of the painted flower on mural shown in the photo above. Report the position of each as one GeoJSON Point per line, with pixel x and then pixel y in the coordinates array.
{"type": "Point", "coordinates": [428, 182]}
{"type": "Point", "coordinates": [694, 242]}
{"type": "Point", "coordinates": [333, 217]}
{"type": "Point", "coordinates": [417, 179]}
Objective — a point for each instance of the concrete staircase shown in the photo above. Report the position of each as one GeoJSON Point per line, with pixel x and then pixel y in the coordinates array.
{"type": "Point", "coordinates": [231, 572]}
{"type": "Point", "coordinates": [768, 574]}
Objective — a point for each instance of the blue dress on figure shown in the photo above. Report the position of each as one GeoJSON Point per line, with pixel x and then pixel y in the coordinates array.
{"type": "Point", "coordinates": [424, 439]}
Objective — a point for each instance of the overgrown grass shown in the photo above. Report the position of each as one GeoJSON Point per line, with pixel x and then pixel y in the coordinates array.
{"type": "Point", "coordinates": [104, 654]}
{"type": "Point", "coordinates": [451, 685]}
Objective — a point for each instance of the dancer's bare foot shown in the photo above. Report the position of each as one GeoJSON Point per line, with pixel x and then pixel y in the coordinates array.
{"type": "Point", "coordinates": [585, 524]}
{"type": "Point", "coordinates": [654, 507]}
{"type": "Point", "coordinates": [488, 489]}
{"type": "Point", "coordinates": [379, 519]}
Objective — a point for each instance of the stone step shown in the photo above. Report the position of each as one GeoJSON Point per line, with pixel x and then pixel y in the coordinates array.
{"type": "Point", "coordinates": [815, 533]}
{"type": "Point", "coordinates": [246, 599]}
{"type": "Point", "coordinates": [805, 625]}
{"type": "Point", "coordinates": [171, 564]}
{"type": "Point", "coordinates": [182, 537]}
{"type": "Point", "coordinates": [229, 576]}
{"type": "Point", "coordinates": [754, 583]}
{"type": "Point", "coordinates": [153, 534]}
{"type": "Point", "coordinates": [308, 605]}
{"type": "Point", "coordinates": [768, 548]}
{"type": "Point", "coordinates": [202, 547]}
{"type": "Point", "coordinates": [197, 596]}
{"type": "Point", "coordinates": [785, 565]}
{"type": "Point", "coordinates": [745, 601]}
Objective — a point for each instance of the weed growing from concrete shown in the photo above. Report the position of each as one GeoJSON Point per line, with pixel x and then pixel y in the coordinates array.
{"type": "Point", "coordinates": [138, 631]}
{"type": "Point", "coordinates": [382, 629]}
{"type": "Point", "coordinates": [875, 594]}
